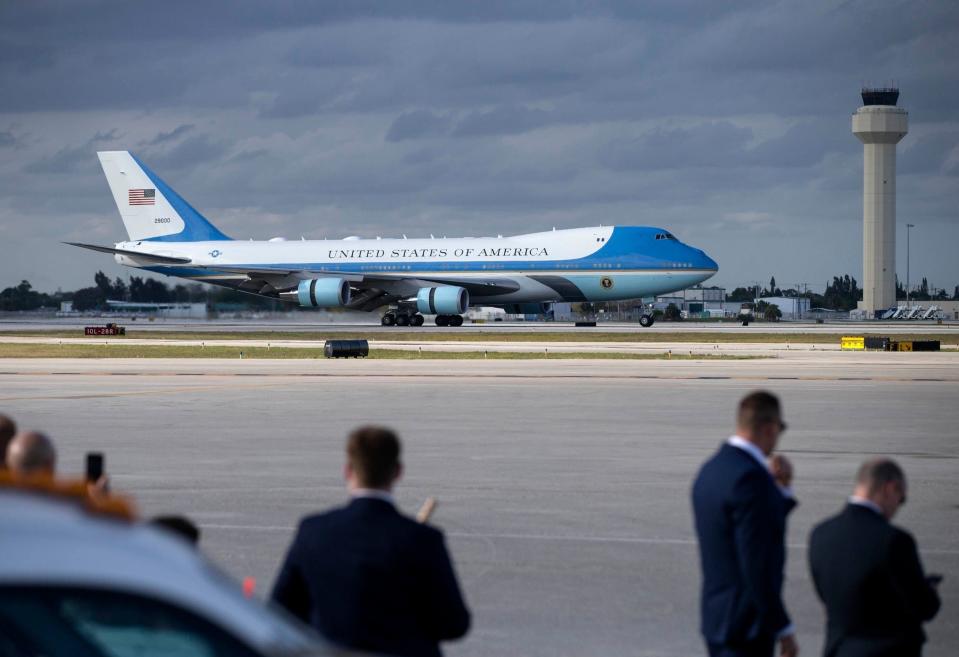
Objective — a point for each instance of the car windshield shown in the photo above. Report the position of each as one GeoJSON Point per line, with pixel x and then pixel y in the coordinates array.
{"type": "Point", "coordinates": [58, 621]}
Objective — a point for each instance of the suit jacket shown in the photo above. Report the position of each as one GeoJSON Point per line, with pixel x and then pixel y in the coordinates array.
{"type": "Point", "coordinates": [369, 578]}
{"type": "Point", "coordinates": [868, 574]}
{"type": "Point", "coordinates": [740, 517]}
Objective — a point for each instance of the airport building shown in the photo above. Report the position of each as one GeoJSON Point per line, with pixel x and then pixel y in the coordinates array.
{"type": "Point", "coordinates": [699, 302]}
{"type": "Point", "coordinates": [790, 307]}
{"type": "Point", "coordinates": [151, 309]}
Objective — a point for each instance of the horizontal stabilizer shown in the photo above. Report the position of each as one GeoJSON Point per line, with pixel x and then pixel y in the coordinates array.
{"type": "Point", "coordinates": [145, 257]}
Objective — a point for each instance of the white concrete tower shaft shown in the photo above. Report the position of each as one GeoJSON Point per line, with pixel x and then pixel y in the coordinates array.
{"type": "Point", "coordinates": [879, 127]}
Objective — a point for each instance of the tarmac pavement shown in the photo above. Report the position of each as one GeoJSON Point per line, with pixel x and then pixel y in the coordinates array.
{"type": "Point", "coordinates": [563, 485]}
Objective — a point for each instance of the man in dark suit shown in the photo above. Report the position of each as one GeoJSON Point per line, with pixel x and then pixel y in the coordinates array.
{"type": "Point", "coordinates": [741, 498]}
{"type": "Point", "coordinates": [868, 574]}
{"type": "Point", "coordinates": [366, 576]}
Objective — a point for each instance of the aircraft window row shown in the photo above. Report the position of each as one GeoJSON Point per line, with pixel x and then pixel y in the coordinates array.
{"type": "Point", "coordinates": [684, 265]}
{"type": "Point", "coordinates": [497, 265]}
{"type": "Point", "coordinates": [666, 236]}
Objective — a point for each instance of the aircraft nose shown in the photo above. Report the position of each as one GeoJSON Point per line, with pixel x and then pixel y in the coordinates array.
{"type": "Point", "coordinates": [703, 261]}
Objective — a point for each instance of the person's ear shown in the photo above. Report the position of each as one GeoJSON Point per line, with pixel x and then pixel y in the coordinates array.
{"type": "Point", "coordinates": [347, 471]}
{"type": "Point", "coordinates": [399, 472]}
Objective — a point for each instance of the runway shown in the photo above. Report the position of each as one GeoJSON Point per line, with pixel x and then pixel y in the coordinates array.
{"type": "Point", "coordinates": [370, 324]}
{"type": "Point", "coordinates": [563, 485]}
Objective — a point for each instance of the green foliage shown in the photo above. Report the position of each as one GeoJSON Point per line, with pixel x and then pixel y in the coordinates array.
{"type": "Point", "coordinates": [24, 297]}
{"type": "Point", "coordinates": [842, 294]}
{"type": "Point", "coordinates": [772, 313]}
{"type": "Point", "coordinates": [672, 313]}
{"type": "Point", "coordinates": [741, 294]}
{"type": "Point", "coordinates": [773, 291]}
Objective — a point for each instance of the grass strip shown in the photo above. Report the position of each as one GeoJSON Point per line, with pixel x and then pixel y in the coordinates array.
{"type": "Point", "coordinates": [187, 351]}
{"type": "Point", "coordinates": [946, 338]}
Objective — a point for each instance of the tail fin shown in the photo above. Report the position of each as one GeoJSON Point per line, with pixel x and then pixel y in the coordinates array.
{"type": "Point", "coordinates": [149, 208]}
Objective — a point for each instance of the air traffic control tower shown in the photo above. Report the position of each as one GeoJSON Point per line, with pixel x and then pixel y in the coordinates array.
{"type": "Point", "coordinates": [879, 125]}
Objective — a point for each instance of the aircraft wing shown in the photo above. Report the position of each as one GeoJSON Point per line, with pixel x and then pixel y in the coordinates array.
{"type": "Point", "coordinates": [375, 288]}
{"type": "Point", "coordinates": [484, 286]}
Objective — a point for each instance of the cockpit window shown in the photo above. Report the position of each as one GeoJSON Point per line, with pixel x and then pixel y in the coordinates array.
{"type": "Point", "coordinates": [666, 236]}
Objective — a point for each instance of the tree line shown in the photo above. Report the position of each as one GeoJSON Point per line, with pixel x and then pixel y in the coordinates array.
{"type": "Point", "coordinates": [135, 289]}
{"type": "Point", "coordinates": [842, 293]}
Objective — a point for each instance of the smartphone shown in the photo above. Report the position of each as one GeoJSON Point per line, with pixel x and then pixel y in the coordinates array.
{"type": "Point", "coordinates": [94, 466]}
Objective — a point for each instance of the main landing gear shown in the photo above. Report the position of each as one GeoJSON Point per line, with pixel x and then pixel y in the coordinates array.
{"type": "Point", "coordinates": [400, 318]}
{"type": "Point", "coordinates": [646, 321]}
{"type": "Point", "coordinates": [449, 320]}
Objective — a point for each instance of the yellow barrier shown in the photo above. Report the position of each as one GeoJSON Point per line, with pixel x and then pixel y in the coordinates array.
{"type": "Point", "coordinates": [904, 346]}
{"type": "Point", "coordinates": [852, 342]}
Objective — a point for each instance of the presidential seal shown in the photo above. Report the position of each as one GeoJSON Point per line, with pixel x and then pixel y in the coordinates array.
{"type": "Point", "coordinates": [606, 282]}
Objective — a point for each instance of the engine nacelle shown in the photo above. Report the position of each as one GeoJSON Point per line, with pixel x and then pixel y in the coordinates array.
{"type": "Point", "coordinates": [527, 308]}
{"type": "Point", "coordinates": [446, 300]}
{"type": "Point", "coordinates": [323, 293]}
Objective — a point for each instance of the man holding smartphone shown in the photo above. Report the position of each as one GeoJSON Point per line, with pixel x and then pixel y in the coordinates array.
{"type": "Point", "coordinates": [868, 574]}
{"type": "Point", "coordinates": [741, 498]}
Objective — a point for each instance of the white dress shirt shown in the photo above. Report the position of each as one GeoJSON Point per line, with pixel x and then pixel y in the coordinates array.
{"type": "Point", "coordinates": [756, 453]}
{"type": "Point", "coordinates": [869, 504]}
{"type": "Point", "coordinates": [375, 493]}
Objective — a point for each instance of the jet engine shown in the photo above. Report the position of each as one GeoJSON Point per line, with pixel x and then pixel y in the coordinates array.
{"type": "Point", "coordinates": [446, 300]}
{"type": "Point", "coordinates": [527, 308]}
{"type": "Point", "coordinates": [323, 293]}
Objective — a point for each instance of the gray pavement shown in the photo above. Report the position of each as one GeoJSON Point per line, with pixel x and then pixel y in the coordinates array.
{"type": "Point", "coordinates": [563, 485]}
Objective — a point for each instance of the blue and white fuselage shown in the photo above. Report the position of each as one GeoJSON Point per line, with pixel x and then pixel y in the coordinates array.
{"type": "Point", "coordinates": [605, 263]}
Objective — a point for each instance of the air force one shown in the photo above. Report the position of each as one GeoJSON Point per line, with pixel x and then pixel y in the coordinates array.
{"type": "Point", "coordinates": [410, 278]}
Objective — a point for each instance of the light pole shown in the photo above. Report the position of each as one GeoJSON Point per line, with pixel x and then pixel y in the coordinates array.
{"type": "Point", "coordinates": [908, 244]}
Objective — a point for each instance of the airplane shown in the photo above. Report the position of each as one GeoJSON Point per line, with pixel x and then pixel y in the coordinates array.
{"type": "Point", "coordinates": [410, 278]}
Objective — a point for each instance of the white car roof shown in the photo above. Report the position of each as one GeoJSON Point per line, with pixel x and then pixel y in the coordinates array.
{"type": "Point", "coordinates": [47, 541]}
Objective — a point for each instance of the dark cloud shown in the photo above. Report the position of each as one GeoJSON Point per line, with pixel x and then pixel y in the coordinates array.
{"type": "Point", "coordinates": [929, 152]}
{"type": "Point", "coordinates": [171, 135]}
{"type": "Point", "coordinates": [24, 57]}
{"type": "Point", "coordinates": [723, 121]}
{"type": "Point", "coordinates": [72, 158]}
{"type": "Point", "coordinates": [715, 144]}
{"type": "Point", "coordinates": [188, 153]}
{"type": "Point", "coordinates": [501, 121]}
{"type": "Point", "coordinates": [417, 124]}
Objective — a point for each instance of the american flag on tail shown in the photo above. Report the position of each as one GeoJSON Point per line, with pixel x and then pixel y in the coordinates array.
{"type": "Point", "coordinates": [142, 197]}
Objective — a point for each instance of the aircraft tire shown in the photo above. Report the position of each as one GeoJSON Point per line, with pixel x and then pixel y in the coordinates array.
{"type": "Point", "coordinates": [389, 319]}
{"type": "Point", "coordinates": [417, 320]}
{"type": "Point", "coordinates": [456, 320]}
{"type": "Point", "coordinates": [646, 321]}
{"type": "Point", "coordinates": [442, 320]}
{"type": "Point", "coordinates": [402, 319]}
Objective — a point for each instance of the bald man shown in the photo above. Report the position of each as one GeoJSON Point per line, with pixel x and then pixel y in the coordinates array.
{"type": "Point", "coordinates": [868, 573]}
{"type": "Point", "coordinates": [31, 453]}
{"type": "Point", "coordinates": [8, 429]}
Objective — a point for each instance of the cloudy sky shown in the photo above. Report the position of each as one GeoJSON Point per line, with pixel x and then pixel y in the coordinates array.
{"type": "Point", "coordinates": [725, 122]}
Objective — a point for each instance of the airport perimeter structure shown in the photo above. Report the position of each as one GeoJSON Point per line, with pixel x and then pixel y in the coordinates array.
{"type": "Point", "coordinates": [563, 484]}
